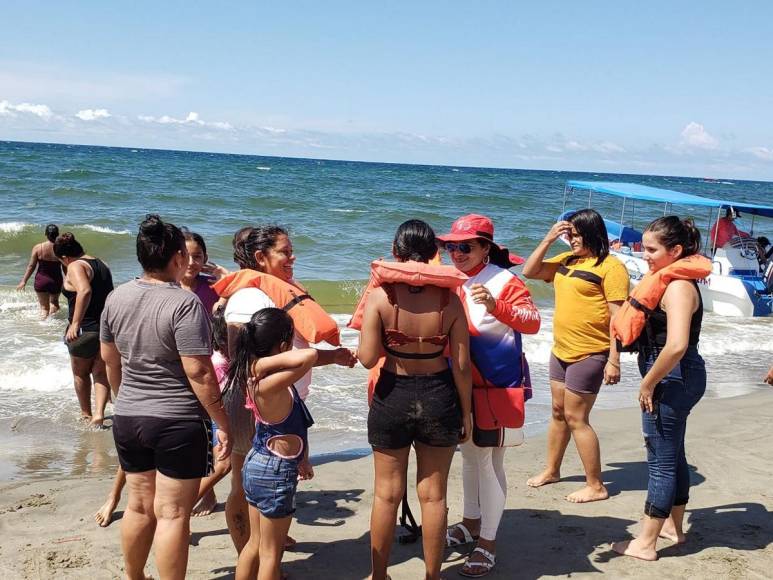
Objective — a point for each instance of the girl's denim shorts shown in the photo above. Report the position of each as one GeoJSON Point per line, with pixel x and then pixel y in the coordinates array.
{"type": "Point", "coordinates": [269, 483]}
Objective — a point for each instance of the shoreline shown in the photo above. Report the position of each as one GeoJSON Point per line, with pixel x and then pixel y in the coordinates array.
{"type": "Point", "coordinates": [49, 531]}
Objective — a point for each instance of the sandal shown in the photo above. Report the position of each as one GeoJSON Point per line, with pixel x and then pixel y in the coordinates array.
{"type": "Point", "coordinates": [484, 567]}
{"type": "Point", "coordinates": [453, 541]}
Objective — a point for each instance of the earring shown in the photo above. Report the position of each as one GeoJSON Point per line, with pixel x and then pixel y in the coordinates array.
{"type": "Point", "coordinates": [486, 260]}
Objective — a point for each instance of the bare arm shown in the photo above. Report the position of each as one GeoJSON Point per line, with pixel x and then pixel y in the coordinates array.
{"type": "Point", "coordinates": [612, 368]}
{"type": "Point", "coordinates": [535, 268]}
{"type": "Point", "coordinates": [112, 358]}
{"type": "Point", "coordinates": [280, 370]}
{"type": "Point", "coordinates": [201, 374]}
{"type": "Point", "coordinates": [370, 349]}
{"type": "Point", "coordinates": [680, 301]}
{"type": "Point", "coordinates": [78, 277]}
{"type": "Point", "coordinates": [339, 356]}
{"type": "Point", "coordinates": [30, 267]}
{"type": "Point", "coordinates": [459, 345]}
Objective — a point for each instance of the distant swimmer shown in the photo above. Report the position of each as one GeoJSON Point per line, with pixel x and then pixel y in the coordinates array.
{"type": "Point", "coordinates": [725, 229]}
{"type": "Point", "coordinates": [86, 286]}
{"type": "Point", "coordinates": [48, 278]}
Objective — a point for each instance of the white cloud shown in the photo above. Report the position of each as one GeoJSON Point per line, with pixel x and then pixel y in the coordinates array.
{"type": "Point", "coordinates": [695, 135]}
{"type": "Point", "coordinates": [193, 118]}
{"type": "Point", "coordinates": [9, 109]}
{"type": "Point", "coordinates": [763, 153]}
{"type": "Point", "coordinates": [92, 114]}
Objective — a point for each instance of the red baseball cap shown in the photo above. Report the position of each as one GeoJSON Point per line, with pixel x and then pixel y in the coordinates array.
{"type": "Point", "coordinates": [471, 226]}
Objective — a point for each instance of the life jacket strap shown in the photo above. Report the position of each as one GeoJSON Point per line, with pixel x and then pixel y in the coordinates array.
{"type": "Point", "coordinates": [639, 306]}
{"type": "Point", "coordinates": [296, 300]}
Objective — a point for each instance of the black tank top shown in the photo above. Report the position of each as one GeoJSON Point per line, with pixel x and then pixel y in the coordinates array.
{"type": "Point", "coordinates": [655, 328]}
{"type": "Point", "coordinates": [101, 286]}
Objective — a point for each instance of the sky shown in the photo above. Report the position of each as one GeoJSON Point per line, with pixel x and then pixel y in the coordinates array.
{"type": "Point", "coordinates": [666, 88]}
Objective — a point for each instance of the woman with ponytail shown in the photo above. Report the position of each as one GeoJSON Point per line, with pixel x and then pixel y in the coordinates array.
{"type": "Point", "coordinates": [156, 343]}
{"type": "Point", "coordinates": [48, 278]}
{"type": "Point", "coordinates": [673, 381]}
{"type": "Point", "coordinates": [419, 398]}
{"type": "Point", "coordinates": [266, 367]}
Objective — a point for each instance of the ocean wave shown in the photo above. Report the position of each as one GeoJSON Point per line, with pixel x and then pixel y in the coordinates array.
{"type": "Point", "coordinates": [104, 229]}
{"type": "Point", "coordinates": [76, 173]}
{"type": "Point", "coordinates": [340, 210]}
{"type": "Point", "coordinates": [14, 227]}
{"type": "Point", "coordinates": [263, 168]}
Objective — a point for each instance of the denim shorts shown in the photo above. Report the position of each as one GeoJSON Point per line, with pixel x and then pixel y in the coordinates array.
{"type": "Point", "coordinates": [270, 483]}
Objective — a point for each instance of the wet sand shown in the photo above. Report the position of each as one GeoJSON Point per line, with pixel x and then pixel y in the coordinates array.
{"type": "Point", "coordinates": [47, 528]}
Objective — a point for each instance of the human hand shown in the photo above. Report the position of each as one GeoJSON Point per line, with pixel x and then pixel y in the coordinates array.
{"type": "Point", "coordinates": [214, 270]}
{"type": "Point", "coordinates": [224, 444]}
{"type": "Point", "coordinates": [73, 331]}
{"type": "Point", "coordinates": [645, 398]}
{"type": "Point", "coordinates": [559, 229]}
{"type": "Point", "coordinates": [20, 286]}
{"type": "Point", "coordinates": [612, 372]}
{"type": "Point", "coordinates": [466, 428]}
{"type": "Point", "coordinates": [305, 469]}
{"type": "Point", "coordinates": [481, 295]}
{"type": "Point", "coordinates": [344, 357]}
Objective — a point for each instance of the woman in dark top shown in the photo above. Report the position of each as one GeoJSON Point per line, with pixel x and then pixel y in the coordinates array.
{"type": "Point", "coordinates": [86, 286]}
{"type": "Point", "coordinates": [48, 278]}
{"type": "Point", "coordinates": [673, 381]}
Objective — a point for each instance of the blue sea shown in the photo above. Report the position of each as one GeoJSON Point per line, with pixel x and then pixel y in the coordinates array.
{"type": "Point", "coordinates": [341, 215]}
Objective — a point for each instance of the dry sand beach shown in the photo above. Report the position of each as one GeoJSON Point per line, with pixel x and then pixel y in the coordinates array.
{"type": "Point", "coordinates": [48, 531]}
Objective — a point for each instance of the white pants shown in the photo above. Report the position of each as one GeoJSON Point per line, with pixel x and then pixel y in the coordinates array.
{"type": "Point", "coordinates": [485, 486]}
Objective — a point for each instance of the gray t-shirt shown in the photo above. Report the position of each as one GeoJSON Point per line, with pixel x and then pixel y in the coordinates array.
{"type": "Point", "coordinates": [152, 325]}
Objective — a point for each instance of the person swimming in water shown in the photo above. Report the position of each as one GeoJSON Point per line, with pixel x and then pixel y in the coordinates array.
{"type": "Point", "coordinates": [48, 278]}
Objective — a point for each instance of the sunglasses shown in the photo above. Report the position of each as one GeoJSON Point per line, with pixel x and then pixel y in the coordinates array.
{"type": "Point", "coordinates": [463, 247]}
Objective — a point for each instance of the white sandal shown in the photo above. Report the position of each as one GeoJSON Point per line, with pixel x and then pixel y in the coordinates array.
{"type": "Point", "coordinates": [485, 567]}
{"type": "Point", "coordinates": [452, 541]}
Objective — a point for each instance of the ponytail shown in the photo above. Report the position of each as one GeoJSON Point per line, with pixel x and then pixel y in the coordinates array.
{"type": "Point", "coordinates": [266, 330]}
{"type": "Point", "coordinates": [672, 231]}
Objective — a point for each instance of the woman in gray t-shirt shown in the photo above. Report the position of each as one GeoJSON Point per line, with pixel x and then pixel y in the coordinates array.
{"type": "Point", "coordinates": [156, 344]}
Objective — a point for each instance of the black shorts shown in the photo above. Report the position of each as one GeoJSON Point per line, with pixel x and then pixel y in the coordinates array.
{"type": "Point", "coordinates": [178, 448]}
{"type": "Point", "coordinates": [408, 408]}
{"type": "Point", "coordinates": [85, 346]}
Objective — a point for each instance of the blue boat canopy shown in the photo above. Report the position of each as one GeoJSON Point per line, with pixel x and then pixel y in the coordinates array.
{"type": "Point", "coordinates": [654, 194]}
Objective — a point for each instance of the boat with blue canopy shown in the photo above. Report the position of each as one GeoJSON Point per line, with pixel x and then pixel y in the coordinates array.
{"type": "Point", "coordinates": [741, 283]}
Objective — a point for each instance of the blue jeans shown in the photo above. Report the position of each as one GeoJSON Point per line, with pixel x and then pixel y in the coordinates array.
{"type": "Point", "coordinates": [269, 483]}
{"type": "Point", "coordinates": [664, 430]}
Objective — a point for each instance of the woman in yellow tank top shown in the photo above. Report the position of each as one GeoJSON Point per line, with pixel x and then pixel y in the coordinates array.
{"type": "Point", "coordinates": [590, 286]}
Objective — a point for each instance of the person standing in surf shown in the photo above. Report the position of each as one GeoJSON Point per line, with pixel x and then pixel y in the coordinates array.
{"type": "Point", "coordinates": [48, 278]}
{"type": "Point", "coordinates": [673, 382]}
{"type": "Point", "coordinates": [86, 287]}
{"type": "Point", "coordinates": [590, 285]}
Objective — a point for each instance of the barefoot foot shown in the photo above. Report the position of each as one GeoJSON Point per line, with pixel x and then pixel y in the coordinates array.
{"type": "Point", "coordinates": [544, 478]}
{"type": "Point", "coordinates": [206, 505]}
{"type": "Point", "coordinates": [631, 548]}
{"type": "Point", "coordinates": [97, 421]}
{"type": "Point", "coordinates": [588, 494]}
{"type": "Point", "coordinates": [669, 533]}
{"type": "Point", "coordinates": [104, 515]}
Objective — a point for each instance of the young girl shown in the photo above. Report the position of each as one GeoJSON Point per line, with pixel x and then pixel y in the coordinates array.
{"type": "Point", "coordinates": [266, 365]}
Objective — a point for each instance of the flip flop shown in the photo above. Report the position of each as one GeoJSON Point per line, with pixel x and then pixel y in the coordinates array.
{"type": "Point", "coordinates": [452, 541]}
{"type": "Point", "coordinates": [484, 567]}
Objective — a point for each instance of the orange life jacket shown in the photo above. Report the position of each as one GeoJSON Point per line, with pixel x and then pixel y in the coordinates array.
{"type": "Point", "coordinates": [629, 321]}
{"type": "Point", "coordinates": [310, 319]}
{"type": "Point", "coordinates": [413, 273]}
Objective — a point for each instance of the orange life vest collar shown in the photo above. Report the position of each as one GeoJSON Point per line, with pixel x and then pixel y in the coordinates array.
{"type": "Point", "coordinates": [411, 273]}
{"type": "Point", "coordinates": [629, 321]}
{"type": "Point", "coordinates": [310, 319]}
